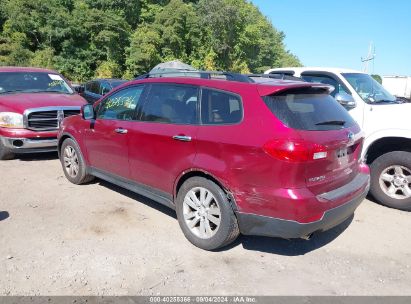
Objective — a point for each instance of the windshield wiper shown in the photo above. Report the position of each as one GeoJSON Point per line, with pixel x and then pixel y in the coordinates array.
{"type": "Point", "coordinates": [331, 123]}
{"type": "Point", "coordinates": [386, 101]}
{"type": "Point", "coordinates": [13, 91]}
{"type": "Point", "coordinates": [33, 91]}
{"type": "Point", "coordinates": [60, 92]}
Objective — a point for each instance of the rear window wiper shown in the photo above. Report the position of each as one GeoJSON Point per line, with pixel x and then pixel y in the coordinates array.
{"type": "Point", "coordinates": [331, 123]}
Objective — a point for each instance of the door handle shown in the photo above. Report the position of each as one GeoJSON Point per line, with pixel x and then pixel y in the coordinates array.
{"type": "Point", "coordinates": [182, 137]}
{"type": "Point", "coordinates": [121, 131]}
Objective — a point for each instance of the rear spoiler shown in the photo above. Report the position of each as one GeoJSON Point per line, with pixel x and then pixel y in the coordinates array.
{"type": "Point", "coordinates": [266, 90]}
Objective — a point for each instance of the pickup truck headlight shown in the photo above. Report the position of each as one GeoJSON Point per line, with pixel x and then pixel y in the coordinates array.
{"type": "Point", "coordinates": [11, 120]}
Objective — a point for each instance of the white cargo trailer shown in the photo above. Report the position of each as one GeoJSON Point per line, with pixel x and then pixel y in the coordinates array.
{"type": "Point", "coordinates": [399, 86]}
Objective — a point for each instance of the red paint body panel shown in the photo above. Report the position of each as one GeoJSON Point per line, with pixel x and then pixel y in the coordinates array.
{"type": "Point", "coordinates": [24, 133]}
{"type": "Point", "coordinates": [156, 159]}
{"type": "Point", "coordinates": [107, 149]}
{"type": "Point", "coordinates": [20, 102]}
{"type": "Point", "coordinates": [234, 155]}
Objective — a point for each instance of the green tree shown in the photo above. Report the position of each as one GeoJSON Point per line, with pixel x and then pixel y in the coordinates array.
{"type": "Point", "coordinates": [88, 38]}
{"type": "Point", "coordinates": [43, 58]}
{"type": "Point", "coordinates": [143, 53]}
{"type": "Point", "coordinates": [377, 78]}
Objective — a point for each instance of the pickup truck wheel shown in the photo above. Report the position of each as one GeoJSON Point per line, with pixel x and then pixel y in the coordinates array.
{"type": "Point", "coordinates": [205, 214]}
{"type": "Point", "coordinates": [391, 180]}
{"type": "Point", "coordinates": [73, 163]}
{"type": "Point", "coordinates": [5, 154]}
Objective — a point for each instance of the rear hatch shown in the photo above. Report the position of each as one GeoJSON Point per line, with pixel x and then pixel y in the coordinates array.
{"type": "Point", "coordinates": [323, 137]}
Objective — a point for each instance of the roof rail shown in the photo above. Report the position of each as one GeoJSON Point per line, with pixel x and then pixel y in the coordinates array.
{"type": "Point", "coordinates": [276, 76]}
{"type": "Point", "coordinates": [199, 74]}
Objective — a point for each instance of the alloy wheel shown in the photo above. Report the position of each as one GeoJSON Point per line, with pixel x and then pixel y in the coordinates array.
{"type": "Point", "coordinates": [395, 181]}
{"type": "Point", "coordinates": [71, 162]}
{"type": "Point", "coordinates": [201, 212]}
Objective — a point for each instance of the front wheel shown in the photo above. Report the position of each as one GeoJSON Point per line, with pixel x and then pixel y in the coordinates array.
{"type": "Point", "coordinates": [73, 163]}
{"type": "Point", "coordinates": [205, 214]}
{"type": "Point", "coordinates": [391, 180]}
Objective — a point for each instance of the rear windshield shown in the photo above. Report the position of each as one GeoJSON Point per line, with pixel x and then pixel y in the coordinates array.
{"type": "Point", "coordinates": [309, 109]}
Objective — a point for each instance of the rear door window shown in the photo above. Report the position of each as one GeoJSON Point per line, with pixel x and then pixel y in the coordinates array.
{"type": "Point", "coordinates": [219, 107]}
{"type": "Point", "coordinates": [93, 87]}
{"type": "Point", "coordinates": [171, 103]}
{"type": "Point", "coordinates": [309, 109]}
{"type": "Point", "coordinates": [88, 86]}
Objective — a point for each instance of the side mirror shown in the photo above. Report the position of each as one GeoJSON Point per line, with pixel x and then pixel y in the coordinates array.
{"type": "Point", "coordinates": [87, 112]}
{"type": "Point", "coordinates": [79, 89]}
{"type": "Point", "coordinates": [346, 100]}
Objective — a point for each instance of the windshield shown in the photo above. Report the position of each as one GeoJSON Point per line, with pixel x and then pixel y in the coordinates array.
{"type": "Point", "coordinates": [33, 82]}
{"type": "Point", "coordinates": [368, 88]}
{"type": "Point", "coordinates": [117, 83]}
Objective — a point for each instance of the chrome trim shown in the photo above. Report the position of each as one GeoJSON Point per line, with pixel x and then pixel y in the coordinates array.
{"type": "Point", "coordinates": [28, 143]}
{"type": "Point", "coordinates": [182, 138]}
{"type": "Point", "coordinates": [121, 131]}
{"type": "Point", "coordinates": [60, 113]}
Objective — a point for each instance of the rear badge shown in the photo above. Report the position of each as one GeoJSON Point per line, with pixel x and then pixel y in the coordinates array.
{"type": "Point", "coordinates": [316, 179]}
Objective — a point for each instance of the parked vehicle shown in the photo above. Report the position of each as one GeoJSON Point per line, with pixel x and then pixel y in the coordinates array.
{"type": "Point", "coordinates": [399, 86]}
{"type": "Point", "coordinates": [385, 120]}
{"type": "Point", "coordinates": [32, 104]}
{"type": "Point", "coordinates": [229, 156]}
{"type": "Point", "coordinates": [97, 88]}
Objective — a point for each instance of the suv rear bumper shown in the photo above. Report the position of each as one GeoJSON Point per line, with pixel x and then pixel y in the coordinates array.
{"type": "Point", "coordinates": [29, 145]}
{"type": "Point", "coordinates": [253, 224]}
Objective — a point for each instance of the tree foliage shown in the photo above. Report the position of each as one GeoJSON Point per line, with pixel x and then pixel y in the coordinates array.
{"type": "Point", "coordinates": [114, 38]}
{"type": "Point", "coordinates": [377, 78]}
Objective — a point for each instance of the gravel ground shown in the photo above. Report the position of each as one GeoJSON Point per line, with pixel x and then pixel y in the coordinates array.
{"type": "Point", "coordinates": [97, 239]}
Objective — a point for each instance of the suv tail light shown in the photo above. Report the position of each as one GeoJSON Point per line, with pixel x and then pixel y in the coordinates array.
{"type": "Point", "coordinates": [294, 150]}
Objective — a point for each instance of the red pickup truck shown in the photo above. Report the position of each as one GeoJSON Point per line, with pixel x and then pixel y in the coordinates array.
{"type": "Point", "coordinates": [33, 102]}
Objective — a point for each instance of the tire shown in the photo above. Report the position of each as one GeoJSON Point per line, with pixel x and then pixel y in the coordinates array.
{"type": "Point", "coordinates": [391, 180]}
{"type": "Point", "coordinates": [5, 153]}
{"type": "Point", "coordinates": [219, 211]}
{"type": "Point", "coordinates": [73, 163]}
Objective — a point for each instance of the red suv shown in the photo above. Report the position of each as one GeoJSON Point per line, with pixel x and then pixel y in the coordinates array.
{"type": "Point", "coordinates": [33, 102]}
{"type": "Point", "coordinates": [277, 159]}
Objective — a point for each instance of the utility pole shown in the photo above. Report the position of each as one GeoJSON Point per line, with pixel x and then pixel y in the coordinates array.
{"type": "Point", "coordinates": [370, 57]}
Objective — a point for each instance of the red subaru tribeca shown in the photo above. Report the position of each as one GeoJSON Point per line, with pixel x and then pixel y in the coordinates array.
{"type": "Point", "coordinates": [278, 159]}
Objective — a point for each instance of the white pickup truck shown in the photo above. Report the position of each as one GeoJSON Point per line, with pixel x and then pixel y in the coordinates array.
{"type": "Point", "coordinates": [385, 121]}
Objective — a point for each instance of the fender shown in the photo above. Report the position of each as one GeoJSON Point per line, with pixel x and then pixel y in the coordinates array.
{"type": "Point", "coordinates": [385, 133]}
{"type": "Point", "coordinates": [74, 127]}
{"type": "Point", "coordinates": [220, 181]}
{"type": "Point", "coordinates": [60, 140]}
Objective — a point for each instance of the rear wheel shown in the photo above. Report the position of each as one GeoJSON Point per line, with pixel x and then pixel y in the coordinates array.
{"type": "Point", "coordinates": [5, 153]}
{"type": "Point", "coordinates": [391, 180]}
{"type": "Point", "coordinates": [205, 214]}
{"type": "Point", "coordinates": [73, 163]}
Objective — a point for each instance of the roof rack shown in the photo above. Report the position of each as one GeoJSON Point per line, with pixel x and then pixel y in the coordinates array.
{"type": "Point", "coordinates": [199, 74]}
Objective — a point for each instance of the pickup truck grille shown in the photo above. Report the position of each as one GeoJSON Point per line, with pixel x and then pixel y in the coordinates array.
{"type": "Point", "coordinates": [45, 119]}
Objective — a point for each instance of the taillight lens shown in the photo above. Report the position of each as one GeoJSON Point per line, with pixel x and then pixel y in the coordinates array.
{"type": "Point", "coordinates": [295, 150]}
